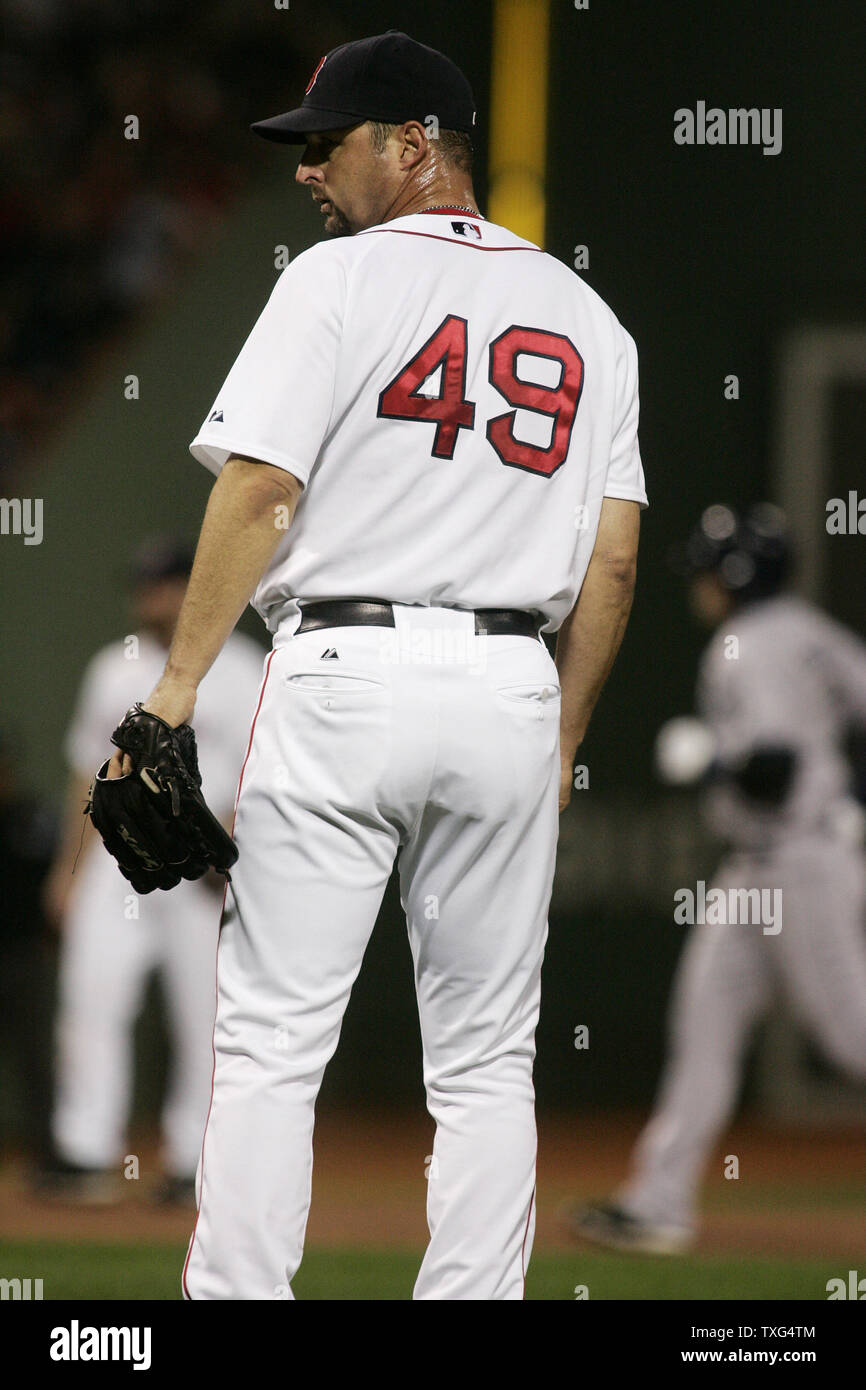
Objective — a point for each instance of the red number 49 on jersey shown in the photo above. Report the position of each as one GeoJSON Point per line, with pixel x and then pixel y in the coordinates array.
{"type": "Point", "coordinates": [450, 411]}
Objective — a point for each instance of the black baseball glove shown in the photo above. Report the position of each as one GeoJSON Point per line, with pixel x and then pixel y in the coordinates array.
{"type": "Point", "coordinates": [154, 819]}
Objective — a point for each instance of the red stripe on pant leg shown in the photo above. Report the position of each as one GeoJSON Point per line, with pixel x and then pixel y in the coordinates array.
{"type": "Point", "coordinates": [216, 976]}
{"type": "Point", "coordinates": [252, 731]}
{"type": "Point", "coordinates": [525, 1238]}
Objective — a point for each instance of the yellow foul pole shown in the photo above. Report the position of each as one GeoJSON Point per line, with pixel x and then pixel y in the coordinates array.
{"type": "Point", "coordinates": [518, 116]}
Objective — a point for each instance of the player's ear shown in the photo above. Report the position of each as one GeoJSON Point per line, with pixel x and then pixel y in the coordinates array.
{"type": "Point", "coordinates": [413, 143]}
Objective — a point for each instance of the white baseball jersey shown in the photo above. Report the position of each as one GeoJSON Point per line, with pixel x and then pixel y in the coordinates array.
{"type": "Point", "coordinates": [126, 671]}
{"type": "Point", "coordinates": [795, 678]}
{"type": "Point", "coordinates": [456, 402]}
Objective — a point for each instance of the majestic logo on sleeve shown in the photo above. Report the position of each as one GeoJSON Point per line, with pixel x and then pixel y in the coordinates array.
{"type": "Point", "coordinates": [466, 229]}
{"type": "Point", "coordinates": [215, 418]}
{"type": "Point", "coordinates": [322, 62]}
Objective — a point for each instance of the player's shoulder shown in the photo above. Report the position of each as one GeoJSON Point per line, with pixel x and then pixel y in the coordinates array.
{"type": "Point", "coordinates": [321, 253]}
{"type": "Point", "coordinates": [768, 633]}
{"type": "Point", "coordinates": [572, 282]}
{"type": "Point", "coordinates": [592, 301]}
{"type": "Point", "coordinates": [713, 656]}
{"type": "Point", "coordinates": [106, 656]}
{"type": "Point", "coordinates": [591, 309]}
{"type": "Point", "coordinates": [786, 612]}
{"type": "Point", "coordinates": [319, 269]}
{"type": "Point", "coordinates": [821, 625]}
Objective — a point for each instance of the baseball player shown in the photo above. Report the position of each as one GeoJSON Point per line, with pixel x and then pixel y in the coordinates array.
{"type": "Point", "coordinates": [426, 451]}
{"type": "Point", "coordinates": [111, 938]}
{"type": "Point", "coordinates": [779, 685]}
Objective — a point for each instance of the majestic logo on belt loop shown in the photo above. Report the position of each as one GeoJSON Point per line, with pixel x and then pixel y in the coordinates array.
{"type": "Point", "coordinates": [322, 63]}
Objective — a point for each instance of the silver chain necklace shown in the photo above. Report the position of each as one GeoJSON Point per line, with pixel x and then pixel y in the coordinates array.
{"type": "Point", "coordinates": [453, 207]}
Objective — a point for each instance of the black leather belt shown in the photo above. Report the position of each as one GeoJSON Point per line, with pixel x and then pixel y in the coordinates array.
{"type": "Point", "coordinates": [374, 612]}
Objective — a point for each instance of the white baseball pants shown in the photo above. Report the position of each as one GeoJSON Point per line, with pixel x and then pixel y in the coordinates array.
{"type": "Point", "coordinates": [107, 956]}
{"type": "Point", "coordinates": [426, 743]}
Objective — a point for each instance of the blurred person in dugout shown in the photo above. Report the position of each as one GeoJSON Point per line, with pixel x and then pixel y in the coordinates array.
{"type": "Point", "coordinates": [781, 690]}
{"type": "Point", "coordinates": [112, 939]}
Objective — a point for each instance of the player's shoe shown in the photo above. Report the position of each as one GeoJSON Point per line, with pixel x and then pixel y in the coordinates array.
{"type": "Point", "coordinates": [609, 1224]}
{"type": "Point", "coordinates": [60, 1181]}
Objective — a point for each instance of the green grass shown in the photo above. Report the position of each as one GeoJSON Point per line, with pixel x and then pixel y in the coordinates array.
{"type": "Point", "coordinates": [90, 1270]}
{"type": "Point", "coordinates": [141, 1271]}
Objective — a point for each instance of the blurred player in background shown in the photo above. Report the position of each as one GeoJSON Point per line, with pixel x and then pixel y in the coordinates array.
{"type": "Point", "coordinates": [112, 939]}
{"type": "Point", "coordinates": [780, 684]}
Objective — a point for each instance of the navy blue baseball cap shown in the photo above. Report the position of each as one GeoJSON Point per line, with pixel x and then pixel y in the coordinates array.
{"type": "Point", "coordinates": [389, 78]}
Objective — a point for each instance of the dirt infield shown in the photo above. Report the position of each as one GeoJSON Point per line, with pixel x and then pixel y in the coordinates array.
{"type": "Point", "coordinates": [798, 1194]}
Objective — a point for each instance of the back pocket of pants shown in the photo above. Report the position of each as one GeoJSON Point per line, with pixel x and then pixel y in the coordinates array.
{"type": "Point", "coordinates": [328, 683]}
{"type": "Point", "coordinates": [530, 694]}
{"type": "Point", "coordinates": [536, 700]}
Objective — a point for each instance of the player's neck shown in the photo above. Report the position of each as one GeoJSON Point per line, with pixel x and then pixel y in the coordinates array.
{"type": "Point", "coordinates": [443, 195]}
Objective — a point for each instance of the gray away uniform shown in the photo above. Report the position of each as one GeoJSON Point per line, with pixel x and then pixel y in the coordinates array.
{"type": "Point", "coordinates": [794, 678]}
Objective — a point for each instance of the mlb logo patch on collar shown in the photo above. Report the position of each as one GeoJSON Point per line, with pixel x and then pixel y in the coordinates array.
{"type": "Point", "coordinates": [468, 229]}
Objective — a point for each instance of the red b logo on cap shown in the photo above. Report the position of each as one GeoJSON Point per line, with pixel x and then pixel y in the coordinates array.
{"type": "Point", "coordinates": [322, 63]}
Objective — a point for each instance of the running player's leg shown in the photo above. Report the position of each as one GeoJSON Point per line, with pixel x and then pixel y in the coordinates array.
{"type": "Point", "coordinates": [315, 855]}
{"type": "Point", "coordinates": [821, 947]}
{"type": "Point", "coordinates": [722, 985]}
{"type": "Point", "coordinates": [476, 878]}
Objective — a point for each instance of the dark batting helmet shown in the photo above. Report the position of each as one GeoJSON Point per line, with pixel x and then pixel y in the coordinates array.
{"type": "Point", "coordinates": [750, 553]}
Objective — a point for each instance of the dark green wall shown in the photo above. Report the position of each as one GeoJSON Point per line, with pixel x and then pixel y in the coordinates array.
{"type": "Point", "coordinates": [709, 256]}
